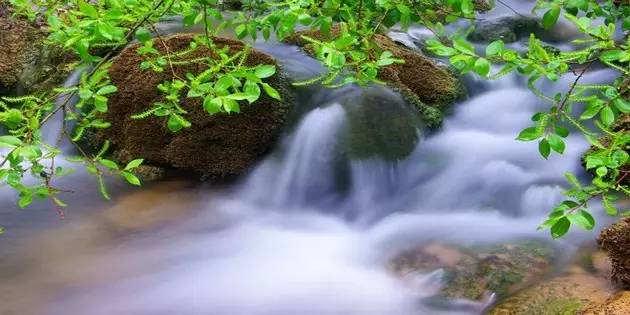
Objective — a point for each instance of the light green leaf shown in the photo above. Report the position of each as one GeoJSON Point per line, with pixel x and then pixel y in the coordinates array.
{"type": "Point", "coordinates": [131, 178]}
{"type": "Point", "coordinates": [134, 164]}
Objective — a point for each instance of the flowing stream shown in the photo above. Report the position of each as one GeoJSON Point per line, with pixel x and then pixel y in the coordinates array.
{"type": "Point", "coordinates": [311, 229]}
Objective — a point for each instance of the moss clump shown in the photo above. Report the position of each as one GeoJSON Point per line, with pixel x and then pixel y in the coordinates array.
{"type": "Point", "coordinates": [616, 241]}
{"type": "Point", "coordinates": [216, 146]}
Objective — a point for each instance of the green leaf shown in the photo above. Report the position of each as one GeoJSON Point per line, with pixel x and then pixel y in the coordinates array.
{"type": "Point", "coordinates": [109, 164]}
{"type": "Point", "coordinates": [10, 142]}
{"type": "Point", "coordinates": [544, 148]}
{"type": "Point", "coordinates": [143, 35]}
{"type": "Point", "coordinates": [88, 10]}
{"type": "Point", "coordinates": [241, 31]}
{"type": "Point", "coordinates": [612, 55]}
{"type": "Point", "coordinates": [551, 17]}
{"type": "Point", "coordinates": [529, 134]}
{"type": "Point", "coordinates": [134, 164]}
{"type": "Point", "coordinates": [463, 46]}
{"type": "Point", "coordinates": [495, 48]}
{"type": "Point", "coordinates": [212, 105]}
{"type": "Point", "coordinates": [482, 67]}
{"type": "Point", "coordinates": [25, 200]}
{"type": "Point", "coordinates": [108, 89]}
{"type": "Point", "coordinates": [556, 143]}
{"type": "Point", "coordinates": [583, 219]}
{"type": "Point", "coordinates": [131, 179]}
{"type": "Point", "coordinates": [265, 71]}
{"type": "Point", "coordinates": [271, 91]}
{"type": "Point", "coordinates": [607, 116]}
{"type": "Point", "coordinates": [622, 105]}
{"type": "Point", "coordinates": [560, 228]}
{"type": "Point", "coordinates": [601, 171]}
{"type": "Point", "coordinates": [231, 106]}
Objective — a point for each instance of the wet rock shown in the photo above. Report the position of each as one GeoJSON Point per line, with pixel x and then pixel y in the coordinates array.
{"type": "Point", "coordinates": [26, 63]}
{"type": "Point", "coordinates": [508, 28]}
{"type": "Point", "coordinates": [619, 304]}
{"type": "Point", "coordinates": [380, 124]}
{"type": "Point", "coordinates": [615, 240]}
{"type": "Point", "coordinates": [422, 81]}
{"type": "Point", "coordinates": [216, 146]}
{"type": "Point", "coordinates": [471, 273]}
{"type": "Point", "coordinates": [566, 295]}
{"type": "Point", "coordinates": [513, 28]}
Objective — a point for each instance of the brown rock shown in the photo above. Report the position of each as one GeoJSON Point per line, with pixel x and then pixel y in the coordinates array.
{"type": "Point", "coordinates": [616, 241]}
{"type": "Point", "coordinates": [217, 146]}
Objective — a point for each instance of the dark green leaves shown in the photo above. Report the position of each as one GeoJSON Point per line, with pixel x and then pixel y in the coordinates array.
{"type": "Point", "coordinates": [560, 227]}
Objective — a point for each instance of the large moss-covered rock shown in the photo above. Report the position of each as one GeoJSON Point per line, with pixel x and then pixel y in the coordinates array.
{"type": "Point", "coordinates": [380, 125]}
{"type": "Point", "coordinates": [26, 63]}
{"type": "Point", "coordinates": [421, 80]}
{"type": "Point", "coordinates": [472, 272]}
{"type": "Point", "coordinates": [616, 241]}
{"type": "Point", "coordinates": [217, 146]}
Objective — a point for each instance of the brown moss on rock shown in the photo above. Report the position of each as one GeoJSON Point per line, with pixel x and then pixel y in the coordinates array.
{"type": "Point", "coordinates": [217, 146]}
{"type": "Point", "coordinates": [616, 241]}
{"type": "Point", "coordinates": [419, 77]}
{"type": "Point", "coordinates": [26, 63]}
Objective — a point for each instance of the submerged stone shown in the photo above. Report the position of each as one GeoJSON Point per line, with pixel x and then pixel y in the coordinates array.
{"type": "Point", "coordinates": [216, 146]}
{"type": "Point", "coordinates": [473, 272]}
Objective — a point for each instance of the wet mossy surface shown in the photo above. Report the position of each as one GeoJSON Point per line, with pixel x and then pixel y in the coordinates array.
{"type": "Point", "coordinates": [472, 272]}
{"type": "Point", "coordinates": [219, 146]}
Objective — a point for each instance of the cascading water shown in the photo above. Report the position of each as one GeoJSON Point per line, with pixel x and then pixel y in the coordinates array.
{"type": "Point", "coordinates": [312, 228]}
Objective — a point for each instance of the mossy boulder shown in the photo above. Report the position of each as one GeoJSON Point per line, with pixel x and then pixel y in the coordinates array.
{"type": "Point", "coordinates": [472, 272]}
{"type": "Point", "coordinates": [421, 80]}
{"type": "Point", "coordinates": [216, 146]}
{"type": "Point", "coordinates": [615, 240]}
{"type": "Point", "coordinates": [380, 124]}
{"type": "Point", "coordinates": [26, 63]}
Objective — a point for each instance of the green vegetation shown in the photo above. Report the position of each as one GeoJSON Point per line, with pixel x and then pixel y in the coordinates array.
{"type": "Point", "coordinates": [95, 31]}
